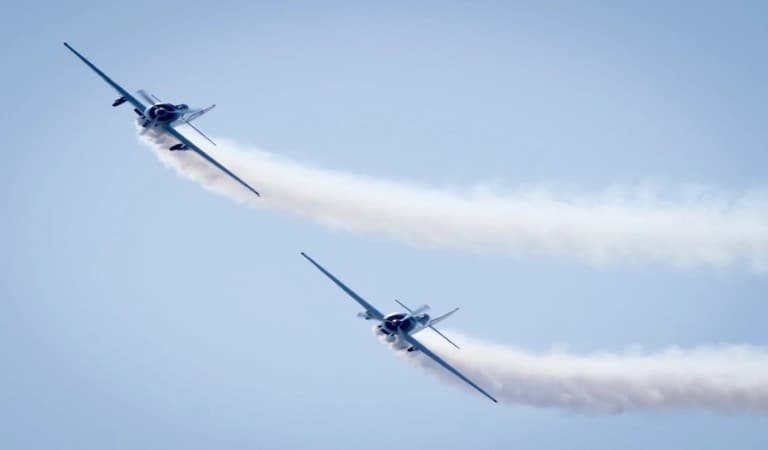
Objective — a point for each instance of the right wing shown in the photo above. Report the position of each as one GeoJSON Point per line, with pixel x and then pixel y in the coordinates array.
{"type": "Point", "coordinates": [208, 158]}
{"type": "Point", "coordinates": [373, 312]}
{"type": "Point", "coordinates": [411, 340]}
{"type": "Point", "coordinates": [127, 95]}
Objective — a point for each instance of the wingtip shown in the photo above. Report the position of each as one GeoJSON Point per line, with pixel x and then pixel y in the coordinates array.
{"type": "Point", "coordinates": [311, 261]}
{"type": "Point", "coordinates": [309, 258]}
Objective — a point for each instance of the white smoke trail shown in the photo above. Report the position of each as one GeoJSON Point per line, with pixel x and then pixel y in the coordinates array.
{"type": "Point", "coordinates": [697, 228]}
{"type": "Point", "coordinates": [722, 379]}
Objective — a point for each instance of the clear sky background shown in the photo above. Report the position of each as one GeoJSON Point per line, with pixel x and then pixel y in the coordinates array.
{"type": "Point", "coordinates": [140, 311]}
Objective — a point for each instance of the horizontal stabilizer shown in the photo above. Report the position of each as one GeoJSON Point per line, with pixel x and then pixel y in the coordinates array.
{"type": "Point", "coordinates": [200, 132]}
{"type": "Point", "coordinates": [192, 115]}
{"type": "Point", "coordinates": [439, 319]}
{"type": "Point", "coordinates": [444, 336]}
{"type": "Point", "coordinates": [436, 320]}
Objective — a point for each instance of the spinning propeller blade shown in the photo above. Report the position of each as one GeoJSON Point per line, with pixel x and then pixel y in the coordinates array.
{"type": "Point", "coordinates": [413, 312]}
{"type": "Point", "coordinates": [149, 99]}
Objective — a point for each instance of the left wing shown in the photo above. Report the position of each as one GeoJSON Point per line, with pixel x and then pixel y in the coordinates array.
{"type": "Point", "coordinates": [411, 340]}
{"type": "Point", "coordinates": [208, 158]}
{"type": "Point", "coordinates": [372, 311]}
{"type": "Point", "coordinates": [125, 94]}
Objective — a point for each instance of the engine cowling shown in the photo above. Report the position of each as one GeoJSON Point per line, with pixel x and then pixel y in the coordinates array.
{"type": "Point", "coordinates": [162, 112]}
{"type": "Point", "coordinates": [397, 322]}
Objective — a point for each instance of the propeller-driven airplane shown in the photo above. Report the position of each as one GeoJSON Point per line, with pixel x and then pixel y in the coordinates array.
{"type": "Point", "coordinates": [165, 117]}
{"type": "Point", "coordinates": [403, 325]}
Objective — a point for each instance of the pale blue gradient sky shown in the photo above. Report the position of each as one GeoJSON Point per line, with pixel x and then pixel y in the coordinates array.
{"type": "Point", "coordinates": [139, 311]}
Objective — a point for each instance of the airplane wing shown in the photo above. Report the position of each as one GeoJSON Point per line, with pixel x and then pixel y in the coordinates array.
{"type": "Point", "coordinates": [208, 158]}
{"type": "Point", "coordinates": [412, 340]}
{"type": "Point", "coordinates": [127, 95]}
{"type": "Point", "coordinates": [373, 312]}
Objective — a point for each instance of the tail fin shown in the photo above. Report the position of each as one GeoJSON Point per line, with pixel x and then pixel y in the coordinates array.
{"type": "Point", "coordinates": [440, 319]}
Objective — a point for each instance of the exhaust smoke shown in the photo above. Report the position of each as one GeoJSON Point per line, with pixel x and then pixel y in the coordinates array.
{"type": "Point", "coordinates": [691, 228]}
{"type": "Point", "coordinates": [728, 379]}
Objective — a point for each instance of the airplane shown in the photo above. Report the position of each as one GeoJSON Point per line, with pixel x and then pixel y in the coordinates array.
{"type": "Point", "coordinates": [164, 116]}
{"type": "Point", "coordinates": [403, 325]}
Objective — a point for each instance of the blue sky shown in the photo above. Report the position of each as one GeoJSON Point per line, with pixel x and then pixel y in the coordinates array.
{"type": "Point", "coordinates": [141, 310]}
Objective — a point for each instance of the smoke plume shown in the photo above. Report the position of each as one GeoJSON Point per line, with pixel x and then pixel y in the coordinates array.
{"type": "Point", "coordinates": [694, 229]}
{"type": "Point", "coordinates": [691, 227]}
{"type": "Point", "coordinates": [722, 379]}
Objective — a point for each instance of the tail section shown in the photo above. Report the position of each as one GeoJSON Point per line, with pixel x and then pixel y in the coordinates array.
{"type": "Point", "coordinates": [189, 117]}
{"type": "Point", "coordinates": [194, 114]}
{"type": "Point", "coordinates": [432, 322]}
{"type": "Point", "coordinates": [439, 319]}
{"type": "Point", "coordinates": [199, 132]}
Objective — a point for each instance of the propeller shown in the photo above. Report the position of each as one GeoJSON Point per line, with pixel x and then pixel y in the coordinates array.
{"type": "Point", "coordinates": [151, 99]}
{"type": "Point", "coordinates": [413, 312]}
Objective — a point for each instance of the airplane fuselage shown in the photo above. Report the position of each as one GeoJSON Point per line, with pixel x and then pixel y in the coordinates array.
{"type": "Point", "coordinates": [395, 323]}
